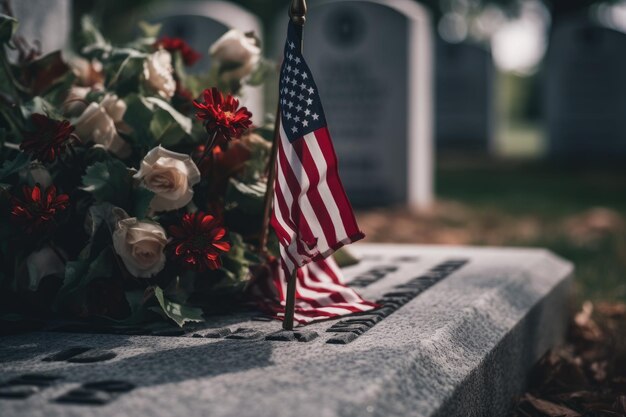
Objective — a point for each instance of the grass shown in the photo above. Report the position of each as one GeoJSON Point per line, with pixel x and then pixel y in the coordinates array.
{"type": "Point", "coordinates": [580, 214]}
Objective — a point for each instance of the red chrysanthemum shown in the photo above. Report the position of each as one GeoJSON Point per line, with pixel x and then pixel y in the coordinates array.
{"type": "Point", "coordinates": [37, 209]}
{"type": "Point", "coordinates": [222, 116]}
{"type": "Point", "coordinates": [189, 55]}
{"type": "Point", "coordinates": [198, 241]}
{"type": "Point", "coordinates": [49, 139]}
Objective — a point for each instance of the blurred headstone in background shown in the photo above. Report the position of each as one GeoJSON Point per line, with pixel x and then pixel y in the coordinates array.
{"type": "Point", "coordinates": [201, 23]}
{"type": "Point", "coordinates": [44, 23]}
{"type": "Point", "coordinates": [372, 62]}
{"type": "Point", "coordinates": [464, 97]}
{"type": "Point", "coordinates": [585, 91]}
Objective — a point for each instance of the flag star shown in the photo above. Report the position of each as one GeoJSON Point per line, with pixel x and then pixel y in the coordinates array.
{"type": "Point", "coordinates": [287, 79]}
{"type": "Point", "coordinates": [296, 119]}
{"type": "Point", "coordinates": [305, 75]}
{"type": "Point", "coordinates": [305, 123]}
{"type": "Point", "coordinates": [300, 97]}
{"type": "Point", "coordinates": [307, 112]}
{"type": "Point", "coordinates": [303, 86]}
{"type": "Point", "coordinates": [292, 93]}
{"type": "Point", "coordinates": [298, 107]}
{"type": "Point", "coordinates": [294, 129]}
{"type": "Point", "coordinates": [297, 60]}
{"type": "Point", "coordinates": [290, 57]}
{"type": "Point", "coordinates": [288, 68]}
{"type": "Point", "coordinates": [315, 116]}
{"type": "Point", "coordinates": [309, 101]}
{"type": "Point", "coordinates": [311, 90]}
{"type": "Point", "coordinates": [294, 82]}
{"type": "Point", "coordinates": [288, 116]}
{"type": "Point", "coordinates": [292, 45]}
{"type": "Point", "coordinates": [296, 71]}
{"type": "Point", "coordinates": [290, 104]}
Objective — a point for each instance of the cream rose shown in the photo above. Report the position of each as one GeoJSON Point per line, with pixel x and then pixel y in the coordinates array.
{"type": "Point", "coordinates": [98, 124]}
{"type": "Point", "coordinates": [157, 73]}
{"type": "Point", "coordinates": [75, 103]}
{"type": "Point", "coordinates": [237, 54]}
{"type": "Point", "coordinates": [170, 176]}
{"type": "Point", "coordinates": [140, 245]}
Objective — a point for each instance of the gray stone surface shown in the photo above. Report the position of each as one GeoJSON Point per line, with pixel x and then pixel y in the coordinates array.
{"type": "Point", "coordinates": [461, 347]}
{"type": "Point", "coordinates": [44, 21]}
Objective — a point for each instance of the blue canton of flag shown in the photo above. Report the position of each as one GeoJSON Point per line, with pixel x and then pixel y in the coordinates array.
{"type": "Point", "coordinates": [301, 108]}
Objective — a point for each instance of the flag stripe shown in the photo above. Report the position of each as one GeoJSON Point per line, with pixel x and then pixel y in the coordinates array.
{"type": "Point", "coordinates": [312, 216]}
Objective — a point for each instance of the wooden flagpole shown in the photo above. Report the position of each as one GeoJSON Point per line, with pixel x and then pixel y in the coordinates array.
{"type": "Point", "coordinates": [297, 14]}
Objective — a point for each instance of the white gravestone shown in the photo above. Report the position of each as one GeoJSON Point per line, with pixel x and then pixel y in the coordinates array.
{"type": "Point", "coordinates": [46, 22]}
{"type": "Point", "coordinates": [585, 91]}
{"type": "Point", "coordinates": [201, 23]}
{"type": "Point", "coordinates": [372, 62]}
{"type": "Point", "coordinates": [457, 335]}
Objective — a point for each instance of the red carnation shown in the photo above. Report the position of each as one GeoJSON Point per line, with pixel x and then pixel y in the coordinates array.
{"type": "Point", "coordinates": [190, 56]}
{"type": "Point", "coordinates": [222, 117]}
{"type": "Point", "coordinates": [50, 138]}
{"type": "Point", "coordinates": [38, 208]}
{"type": "Point", "coordinates": [198, 241]}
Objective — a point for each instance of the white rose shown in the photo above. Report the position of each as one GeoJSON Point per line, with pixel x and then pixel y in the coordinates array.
{"type": "Point", "coordinates": [157, 72]}
{"type": "Point", "coordinates": [98, 124]}
{"type": "Point", "coordinates": [170, 176]}
{"type": "Point", "coordinates": [88, 73]}
{"type": "Point", "coordinates": [237, 54]}
{"type": "Point", "coordinates": [140, 245]}
{"type": "Point", "coordinates": [75, 103]}
{"type": "Point", "coordinates": [40, 264]}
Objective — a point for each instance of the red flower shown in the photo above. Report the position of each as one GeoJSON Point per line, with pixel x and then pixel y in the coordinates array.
{"type": "Point", "coordinates": [50, 138]}
{"type": "Point", "coordinates": [222, 116]}
{"type": "Point", "coordinates": [37, 209]}
{"type": "Point", "coordinates": [198, 241]}
{"type": "Point", "coordinates": [190, 56]}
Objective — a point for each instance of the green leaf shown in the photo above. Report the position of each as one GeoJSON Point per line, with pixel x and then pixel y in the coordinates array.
{"type": "Point", "coordinates": [78, 274]}
{"type": "Point", "coordinates": [8, 26]}
{"type": "Point", "coordinates": [344, 257]}
{"type": "Point", "coordinates": [109, 181]}
{"type": "Point", "coordinates": [236, 262]}
{"type": "Point", "coordinates": [264, 69]}
{"type": "Point", "coordinates": [41, 106]}
{"type": "Point", "coordinates": [180, 313]}
{"type": "Point", "coordinates": [141, 199]}
{"type": "Point", "coordinates": [20, 162]}
{"type": "Point", "coordinates": [168, 125]}
{"type": "Point", "coordinates": [138, 115]}
{"type": "Point", "coordinates": [249, 198]}
{"type": "Point", "coordinates": [94, 43]}
{"type": "Point", "coordinates": [149, 30]}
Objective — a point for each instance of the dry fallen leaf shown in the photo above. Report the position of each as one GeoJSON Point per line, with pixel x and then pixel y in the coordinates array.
{"type": "Point", "coordinates": [549, 408]}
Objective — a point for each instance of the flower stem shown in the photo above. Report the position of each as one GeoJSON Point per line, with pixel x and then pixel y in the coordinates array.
{"type": "Point", "coordinates": [208, 148]}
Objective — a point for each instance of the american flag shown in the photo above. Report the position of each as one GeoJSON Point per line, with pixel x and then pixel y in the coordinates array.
{"type": "Point", "coordinates": [312, 216]}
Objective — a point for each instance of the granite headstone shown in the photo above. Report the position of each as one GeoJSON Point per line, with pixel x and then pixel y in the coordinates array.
{"type": "Point", "coordinates": [585, 92]}
{"type": "Point", "coordinates": [201, 23]}
{"type": "Point", "coordinates": [372, 64]}
{"type": "Point", "coordinates": [44, 23]}
{"type": "Point", "coordinates": [464, 97]}
{"type": "Point", "coordinates": [457, 332]}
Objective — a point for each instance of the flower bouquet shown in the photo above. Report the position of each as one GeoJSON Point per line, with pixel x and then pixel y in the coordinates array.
{"type": "Point", "coordinates": [130, 193]}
